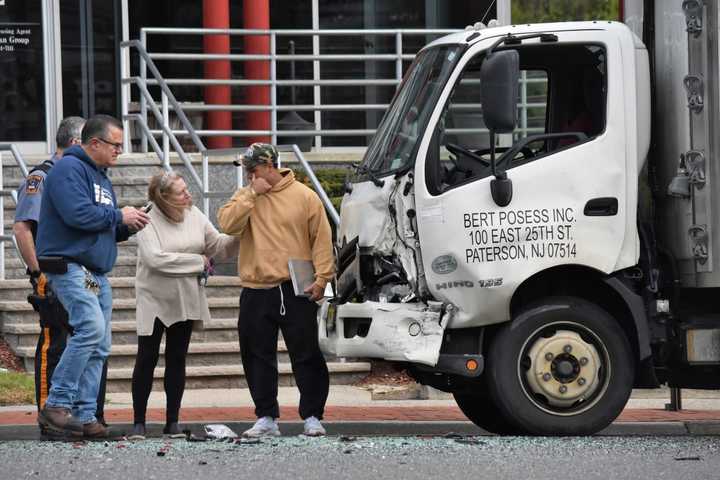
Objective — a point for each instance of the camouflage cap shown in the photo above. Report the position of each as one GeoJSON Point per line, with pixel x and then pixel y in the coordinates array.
{"type": "Point", "coordinates": [259, 154]}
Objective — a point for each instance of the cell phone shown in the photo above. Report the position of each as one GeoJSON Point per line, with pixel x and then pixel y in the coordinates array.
{"type": "Point", "coordinates": [147, 208]}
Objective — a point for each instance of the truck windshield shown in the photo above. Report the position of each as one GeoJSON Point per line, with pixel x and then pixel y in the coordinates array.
{"type": "Point", "coordinates": [395, 143]}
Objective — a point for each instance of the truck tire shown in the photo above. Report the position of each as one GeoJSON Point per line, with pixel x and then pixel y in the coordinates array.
{"type": "Point", "coordinates": [563, 366]}
{"type": "Point", "coordinates": [482, 411]}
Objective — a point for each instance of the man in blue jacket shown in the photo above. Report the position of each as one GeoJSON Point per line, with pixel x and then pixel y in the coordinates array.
{"type": "Point", "coordinates": [78, 230]}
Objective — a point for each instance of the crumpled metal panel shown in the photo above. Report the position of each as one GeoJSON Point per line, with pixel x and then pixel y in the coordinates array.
{"type": "Point", "coordinates": [365, 214]}
{"type": "Point", "coordinates": [410, 332]}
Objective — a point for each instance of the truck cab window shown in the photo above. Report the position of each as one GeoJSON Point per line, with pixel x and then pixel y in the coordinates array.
{"type": "Point", "coordinates": [561, 103]}
{"type": "Point", "coordinates": [395, 143]}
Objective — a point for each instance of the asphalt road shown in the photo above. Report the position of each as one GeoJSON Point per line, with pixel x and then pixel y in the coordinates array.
{"type": "Point", "coordinates": [448, 457]}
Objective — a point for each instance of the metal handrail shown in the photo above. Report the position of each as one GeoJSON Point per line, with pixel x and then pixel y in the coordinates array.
{"type": "Point", "coordinates": [273, 57]}
{"type": "Point", "coordinates": [149, 64]}
{"type": "Point", "coordinates": [20, 161]}
{"type": "Point", "coordinates": [334, 215]}
{"type": "Point", "coordinates": [282, 57]}
{"type": "Point", "coordinates": [310, 133]}
{"type": "Point", "coordinates": [399, 55]}
{"type": "Point", "coordinates": [298, 32]}
{"type": "Point", "coordinates": [332, 107]}
{"type": "Point", "coordinates": [170, 136]}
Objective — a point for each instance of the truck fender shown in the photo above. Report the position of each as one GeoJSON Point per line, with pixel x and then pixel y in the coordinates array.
{"type": "Point", "coordinates": [637, 309]}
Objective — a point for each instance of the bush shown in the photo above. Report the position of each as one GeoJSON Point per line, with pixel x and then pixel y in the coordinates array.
{"type": "Point", "coordinates": [331, 179]}
{"type": "Point", "coordinates": [532, 11]}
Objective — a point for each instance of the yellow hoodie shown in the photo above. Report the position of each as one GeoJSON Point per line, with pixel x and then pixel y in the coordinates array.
{"type": "Point", "coordinates": [287, 222]}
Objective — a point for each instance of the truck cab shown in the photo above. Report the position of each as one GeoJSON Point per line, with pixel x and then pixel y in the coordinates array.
{"type": "Point", "coordinates": [492, 241]}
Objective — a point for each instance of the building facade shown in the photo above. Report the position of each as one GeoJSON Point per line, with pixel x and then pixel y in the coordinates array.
{"type": "Point", "coordinates": [61, 57]}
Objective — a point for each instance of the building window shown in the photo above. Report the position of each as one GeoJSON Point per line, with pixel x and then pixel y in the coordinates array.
{"type": "Point", "coordinates": [22, 76]}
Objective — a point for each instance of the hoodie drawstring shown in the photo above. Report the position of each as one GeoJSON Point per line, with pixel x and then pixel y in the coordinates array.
{"type": "Point", "coordinates": [282, 301]}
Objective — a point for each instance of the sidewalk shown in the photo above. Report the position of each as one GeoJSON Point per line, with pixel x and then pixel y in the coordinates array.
{"type": "Point", "coordinates": [354, 404]}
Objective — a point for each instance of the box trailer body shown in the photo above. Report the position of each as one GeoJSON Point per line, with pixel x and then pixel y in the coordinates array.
{"type": "Point", "coordinates": [541, 267]}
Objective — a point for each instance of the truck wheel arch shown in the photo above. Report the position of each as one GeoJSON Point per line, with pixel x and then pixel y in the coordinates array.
{"type": "Point", "coordinates": [608, 291]}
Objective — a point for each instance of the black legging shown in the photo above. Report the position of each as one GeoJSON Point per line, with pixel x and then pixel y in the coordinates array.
{"type": "Point", "coordinates": [177, 340]}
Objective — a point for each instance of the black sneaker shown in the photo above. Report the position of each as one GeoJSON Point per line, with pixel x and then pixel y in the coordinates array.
{"type": "Point", "coordinates": [138, 432]}
{"type": "Point", "coordinates": [172, 430]}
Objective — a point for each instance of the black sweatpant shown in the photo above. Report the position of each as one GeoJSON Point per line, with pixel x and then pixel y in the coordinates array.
{"type": "Point", "coordinates": [258, 323]}
{"type": "Point", "coordinates": [177, 340]}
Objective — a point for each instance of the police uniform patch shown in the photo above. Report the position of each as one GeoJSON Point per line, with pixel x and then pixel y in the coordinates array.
{"type": "Point", "coordinates": [32, 184]}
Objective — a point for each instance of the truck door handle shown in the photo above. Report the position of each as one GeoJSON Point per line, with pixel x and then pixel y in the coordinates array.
{"type": "Point", "coordinates": [601, 207]}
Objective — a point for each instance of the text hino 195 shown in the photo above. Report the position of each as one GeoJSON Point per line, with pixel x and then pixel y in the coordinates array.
{"type": "Point", "coordinates": [541, 264]}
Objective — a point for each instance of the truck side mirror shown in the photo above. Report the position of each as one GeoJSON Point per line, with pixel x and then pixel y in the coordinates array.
{"type": "Point", "coordinates": [499, 77]}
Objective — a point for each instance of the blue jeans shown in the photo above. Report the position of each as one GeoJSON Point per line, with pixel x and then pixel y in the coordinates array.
{"type": "Point", "coordinates": [76, 380]}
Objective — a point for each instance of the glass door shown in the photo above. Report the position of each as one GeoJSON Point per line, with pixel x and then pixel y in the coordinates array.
{"type": "Point", "coordinates": [91, 32]}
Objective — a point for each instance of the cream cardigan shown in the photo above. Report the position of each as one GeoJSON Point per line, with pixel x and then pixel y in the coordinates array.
{"type": "Point", "coordinates": [168, 265]}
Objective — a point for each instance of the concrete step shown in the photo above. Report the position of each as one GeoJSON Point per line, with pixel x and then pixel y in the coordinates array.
{"type": "Point", "coordinates": [17, 311]}
{"type": "Point", "coordinates": [216, 357]}
{"type": "Point", "coordinates": [199, 354]}
{"type": "Point", "coordinates": [15, 269]}
{"type": "Point", "coordinates": [123, 332]}
{"type": "Point", "coordinates": [233, 376]}
{"type": "Point", "coordinates": [136, 201]}
{"type": "Point", "coordinates": [125, 265]}
{"type": "Point", "coordinates": [128, 165]}
{"type": "Point", "coordinates": [136, 197]}
{"type": "Point", "coordinates": [128, 247]}
{"type": "Point", "coordinates": [124, 287]}
{"type": "Point", "coordinates": [120, 182]}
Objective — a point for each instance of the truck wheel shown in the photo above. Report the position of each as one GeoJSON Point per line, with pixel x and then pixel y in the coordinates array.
{"type": "Point", "coordinates": [481, 410]}
{"type": "Point", "coordinates": [563, 366]}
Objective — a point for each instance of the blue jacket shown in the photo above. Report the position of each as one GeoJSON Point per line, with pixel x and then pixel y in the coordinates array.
{"type": "Point", "coordinates": [79, 218]}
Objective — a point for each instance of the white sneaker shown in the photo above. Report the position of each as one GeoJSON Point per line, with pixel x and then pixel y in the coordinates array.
{"type": "Point", "coordinates": [264, 426]}
{"type": "Point", "coordinates": [313, 427]}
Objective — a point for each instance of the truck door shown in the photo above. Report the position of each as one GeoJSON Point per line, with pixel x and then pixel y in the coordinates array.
{"type": "Point", "coordinates": [568, 175]}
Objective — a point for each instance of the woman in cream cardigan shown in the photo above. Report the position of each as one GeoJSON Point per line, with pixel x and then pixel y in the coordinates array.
{"type": "Point", "coordinates": [173, 252]}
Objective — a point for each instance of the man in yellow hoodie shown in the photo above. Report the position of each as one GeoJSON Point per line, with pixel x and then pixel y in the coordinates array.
{"type": "Point", "coordinates": [277, 219]}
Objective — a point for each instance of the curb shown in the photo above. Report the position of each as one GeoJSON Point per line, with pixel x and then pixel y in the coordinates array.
{"type": "Point", "coordinates": [399, 429]}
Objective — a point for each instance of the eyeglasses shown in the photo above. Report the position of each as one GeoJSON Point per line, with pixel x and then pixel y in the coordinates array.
{"type": "Point", "coordinates": [116, 146]}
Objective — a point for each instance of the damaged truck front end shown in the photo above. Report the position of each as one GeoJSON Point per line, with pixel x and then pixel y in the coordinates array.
{"type": "Point", "coordinates": [383, 308]}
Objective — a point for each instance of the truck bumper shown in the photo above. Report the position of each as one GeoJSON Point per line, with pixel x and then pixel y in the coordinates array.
{"type": "Point", "coordinates": [406, 332]}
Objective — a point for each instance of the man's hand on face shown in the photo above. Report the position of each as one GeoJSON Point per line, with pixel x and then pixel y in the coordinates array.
{"type": "Point", "coordinates": [135, 218]}
{"type": "Point", "coordinates": [259, 185]}
{"type": "Point", "coordinates": [316, 292]}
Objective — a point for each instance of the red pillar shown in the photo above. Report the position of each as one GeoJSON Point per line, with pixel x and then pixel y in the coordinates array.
{"type": "Point", "coordinates": [216, 14]}
{"type": "Point", "coordinates": [256, 15]}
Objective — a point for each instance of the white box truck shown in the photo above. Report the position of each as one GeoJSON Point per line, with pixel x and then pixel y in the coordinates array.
{"type": "Point", "coordinates": [539, 265]}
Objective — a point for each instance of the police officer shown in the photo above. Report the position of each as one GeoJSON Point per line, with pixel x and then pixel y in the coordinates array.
{"type": "Point", "coordinates": [54, 326]}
